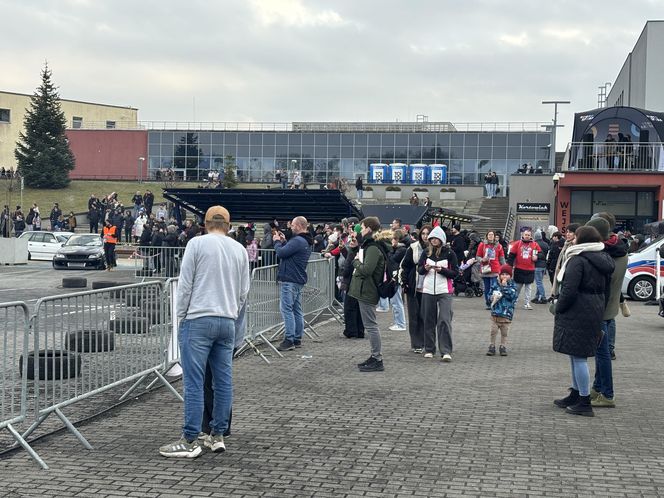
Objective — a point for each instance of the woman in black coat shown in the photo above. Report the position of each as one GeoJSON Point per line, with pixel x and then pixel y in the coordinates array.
{"type": "Point", "coordinates": [409, 278]}
{"type": "Point", "coordinates": [584, 279]}
{"type": "Point", "coordinates": [354, 328]}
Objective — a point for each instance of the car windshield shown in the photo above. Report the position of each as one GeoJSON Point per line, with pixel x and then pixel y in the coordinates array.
{"type": "Point", "coordinates": [84, 240]}
{"type": "Point", "coordinates": [654, 241]}
{"type": "Point", "coordinates": [62, 237]}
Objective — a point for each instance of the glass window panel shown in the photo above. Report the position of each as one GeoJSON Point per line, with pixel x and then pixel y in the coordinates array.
{"type": "Point", "coordinates": [471, 139]}
{"type": "Point", "coordinates": [333, 151]}
{"type": "Point", "coordinates": [167, 150]}
{"type": "Point", "coordinates": [204, 137]}
{"type": "Point", "coordinates": [470, 152]}
{"type": "Point", "coordinates": [528, 153]}
{"type": "Point", "coordinates": [543, 139]}
{"type": "Point", "coordinates": [470, 179]}
{"type": "Point", "coordinates": [347, 152]}
{"type": "Point", "coordinates": [255, 139]}
{"type": "Point", "coordinates": [179, 138]}
{"type": "Point", "coordinates": [646, 204]}
{"type": "Point", "coordinates": [387, 139]}
{"type": "Point", "coordinates": [347, 139]}
{"type": "Point", "coordinates": [269, 150]}
{"type": "Point", "coordinates": [485, 139]}
{"type": "Point", "coordinates": [230, 150]}
{"type": "Point", "coordinates": [499, 165]}
{"type": "Point", "coordinates": [293, 150]}
{"type": "Point", "coordinates": [387, 154]}
{"type": "Point", "coordinates": [360, 152]}
{"type": "Point", "coordinates": [346, 168]}
{"type": "Point", "coordinates": [333, 168]}
{"type": "Point", "coordinates": [154, 150]}
{"type": "Point", "coordinates": [456, 139]}
{"type": "Point", "coordinates": [513, 152]}
{"type": "Point", "coordinates": [333, 139]}
{"type": "Point", "coordinates": [428, 139]}
{"type": "Point", "coordinates": [618, 203]}
{"type": "Point", "coordinates": [456, 152]}
{"type": "Point", "coordinates": [268, 139]}
{"type": "Point", "coordinates": [154, 137]}
{"type": "Point", "coordinates": [217, 163]}
{"type": "Point", "coordinates": [528, 139]}
{"type": "Point", "coordinates": [204, 149]}
{"type": "Point", "coordinates": [401, 139]}
{"type": "Point", "coordinates": [400, 152]}
{"type": "Point", "coordinates": [298, 139]}
{"type": "Point", "coordinates": [443, 153]}
{"type": "Point", "coordinates": [320, 151]}
{"type": "Point", "coordinates": [307, 139]}
{"type": "Point", "coordinates": [216, 138]}
{"type": "Point", "coordinates": [499, 152]}
{"type": "Point", "coordinates": [543, 152]}
{"type": "Point", "coordinates": [514, 139]}
{"type": "Point", "coordinates": [308, 151]}
{"type": "Point", "coordinates": [320, 170]}
{"type": "Point", "coordinates": [360, 139]}
{"type": "Point", "coordinates": [415, 154]}
{"type": "Point", "coordinates": [581, 202]}
{"type": "Point", "coordinates": [500, 139]}
{"type": "Point", "coordinates": [443, 140]}
{"type": "Point", "coordinates": [243, 138]}
{"type": "Point", "coordinates": [456, 166]}
{"type": "Point", "coordinates": [320, 139]}
{"type": "Point", "coordinates": [484, 152]}
{"type": "Point", "coordinates": [512, 165]}
{"type": "Point", "coordinates": [230, 138]}
{"type": "Point", "coordinates": [373, 139]}
{"type": "Point", "coordinates": [428, 152]}
{"type": "Point", "coordinates": [415, 140]}
{"type": "Point", "coordinates": [282, 138]}
{"type": "Point", "coordinates": [374, 152]}
{"type": "Point", "coordinates": [243, 150]}
{"type": "Point", "coordinates": [204, 163]}
{"type": "Point", "coordinates": [455, 178]}
{"type": "Point", "coordinates": [484, 166]}
{"type": "Point", "coordinates": [282, 164]}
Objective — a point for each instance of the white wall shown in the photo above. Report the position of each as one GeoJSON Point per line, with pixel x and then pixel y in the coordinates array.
{"type": "Point", "coordinates": [654, 95]}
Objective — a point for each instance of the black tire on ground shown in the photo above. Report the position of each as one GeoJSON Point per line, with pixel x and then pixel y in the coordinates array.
{"type": "Point", "coordinates": [90, 341]}
{"type": "Point", "coordinates": [53, 365]}
{"type": "Point", "coordinates": [470, 293]}
{"type": "Point", "coordinates": [104, 284]}
{"type": "Point", "coordinates": [130, 325]}
{"type": "Point", "coordinates": [74, 282]}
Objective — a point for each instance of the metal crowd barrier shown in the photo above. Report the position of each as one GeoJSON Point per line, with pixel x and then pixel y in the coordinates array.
{"type": "Point", "coordinates": [88, 342]}
{"type": "Point", "coordinates": [14, 334]}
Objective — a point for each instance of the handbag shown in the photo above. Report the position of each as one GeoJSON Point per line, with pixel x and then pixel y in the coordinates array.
{"type": "Point", "coordinates": [486, 269]}
{"type": "Point", "coordinates": [552, 306]}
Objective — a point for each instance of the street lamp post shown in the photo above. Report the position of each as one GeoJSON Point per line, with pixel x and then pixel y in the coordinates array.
{"type": "Point", "coordinates": [552, 155]}
{"type": "Point", "coordinates": [140, 169]}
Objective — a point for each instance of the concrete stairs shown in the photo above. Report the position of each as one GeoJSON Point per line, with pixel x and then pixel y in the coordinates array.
{"type": "Point", "coordinates": [495, 210]}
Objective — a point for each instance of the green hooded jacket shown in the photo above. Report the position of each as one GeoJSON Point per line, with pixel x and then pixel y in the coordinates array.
{"type": "Point", "coordinates": [369, 273]}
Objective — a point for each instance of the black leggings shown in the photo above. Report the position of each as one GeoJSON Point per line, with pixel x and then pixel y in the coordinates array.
{"type": "Point", "coordinates": [109, 253]}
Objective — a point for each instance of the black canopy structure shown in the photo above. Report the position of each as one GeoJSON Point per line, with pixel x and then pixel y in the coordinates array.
{"type": "Point", "coordinates": [264, 205]}
{"type": "Point", "coordinates": [409, 215]}
{"type": "Point", "coordinates": [641, 125]}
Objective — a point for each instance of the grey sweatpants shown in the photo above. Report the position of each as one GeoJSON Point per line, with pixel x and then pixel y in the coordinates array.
{"type": "Point", "coordinates": [368, 312]}
{"type": "Point", "coordinates": [437, 312]}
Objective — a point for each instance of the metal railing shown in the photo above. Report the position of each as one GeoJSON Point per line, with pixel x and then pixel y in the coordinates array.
{"type": "Point", "coordinates": [614, 156]}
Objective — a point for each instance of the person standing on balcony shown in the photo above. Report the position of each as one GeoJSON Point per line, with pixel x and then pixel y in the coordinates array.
{"type": "Point", "coordinates": [610, 151]}
{"type": "Point", "coordinates": [292, 274]}
{"type": "Point", "coordinates": [359, 188]}
{"type": "Point", "coordinates": [494, 184]}
{"type": "Point", "coordinates": [487, 184]}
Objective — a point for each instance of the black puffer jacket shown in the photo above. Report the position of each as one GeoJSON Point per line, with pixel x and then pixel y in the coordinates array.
{"type": "Point", "coordinates": [580, 307]}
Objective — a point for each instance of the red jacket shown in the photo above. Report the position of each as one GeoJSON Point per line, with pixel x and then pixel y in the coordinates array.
{"type": "Point", "coordinates": [493, 252]}
{"type": "Point", "coordinates": [521, 254]}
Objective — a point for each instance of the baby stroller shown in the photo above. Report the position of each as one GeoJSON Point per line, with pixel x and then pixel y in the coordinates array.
{"type": "Point", "coordinates": [469, 279]}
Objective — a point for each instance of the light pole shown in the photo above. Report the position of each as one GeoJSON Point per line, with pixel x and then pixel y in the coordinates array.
{"type": "Point", "coordinates": [140, 169]}
{"type": "Point", "coordinates": [552, 155]}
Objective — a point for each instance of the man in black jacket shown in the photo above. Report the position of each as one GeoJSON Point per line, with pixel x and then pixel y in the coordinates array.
{"type": "Point", "coordinates": [458, 243]}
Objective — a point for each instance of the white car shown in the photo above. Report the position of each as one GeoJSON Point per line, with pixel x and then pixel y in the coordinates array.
{"type": "Point", "coordinates": [43, 245]}
{"type": "Point", "coordinates": [639, 281]}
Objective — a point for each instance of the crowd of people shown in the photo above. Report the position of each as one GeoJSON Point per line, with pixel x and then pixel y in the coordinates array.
{"type": "Point", "coordinates": [379, 267]}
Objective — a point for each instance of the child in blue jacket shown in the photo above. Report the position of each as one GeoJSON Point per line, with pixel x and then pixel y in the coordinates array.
{"type": "Point", "coordinates": [503, 297]}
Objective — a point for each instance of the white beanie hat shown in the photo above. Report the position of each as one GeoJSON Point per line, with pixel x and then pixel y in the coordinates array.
{"type": "Point", "coordinates": [438, 233]}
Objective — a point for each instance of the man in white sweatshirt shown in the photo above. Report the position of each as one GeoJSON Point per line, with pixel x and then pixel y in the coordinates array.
{"type": "Point", "coordinates": [213, 286]}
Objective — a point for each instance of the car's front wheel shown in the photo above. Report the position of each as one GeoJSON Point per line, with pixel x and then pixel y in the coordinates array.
{"type": "Point", "coordinates": [642, 288]}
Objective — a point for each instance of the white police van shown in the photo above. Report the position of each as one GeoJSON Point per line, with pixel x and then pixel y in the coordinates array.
{"type": "Point", "coordinates": [639, 281]}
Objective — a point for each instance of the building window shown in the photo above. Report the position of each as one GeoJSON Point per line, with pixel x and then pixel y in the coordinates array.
{"type": "Point", "coordinates": [76, 122]}
{"type": "Point", "coordinates": [5, 114]}
{"type": "Point", "coordinates": [110, 125]}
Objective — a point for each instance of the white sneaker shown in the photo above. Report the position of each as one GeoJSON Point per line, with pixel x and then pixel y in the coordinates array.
{"type": "Point", "coordinates": [447, 357]}
{"type": "Point", "coordinates": [381, 310]}
{"type": "Point", "coordinates": [396, 328]}
{"type": "Point", "coordinates": [428, 355]}
{"type": "Point", "coordinates": [527, 306]}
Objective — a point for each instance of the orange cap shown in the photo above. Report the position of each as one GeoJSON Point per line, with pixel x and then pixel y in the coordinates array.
{"type": "Point", "coordinates": [215, 211]}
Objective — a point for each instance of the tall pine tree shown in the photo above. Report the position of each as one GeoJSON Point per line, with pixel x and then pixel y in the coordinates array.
{"type": "Point", "coordinates": [42, 151]}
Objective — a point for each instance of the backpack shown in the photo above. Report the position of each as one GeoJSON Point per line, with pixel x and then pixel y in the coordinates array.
{"type": "Point", "coordinates": [387, 288]}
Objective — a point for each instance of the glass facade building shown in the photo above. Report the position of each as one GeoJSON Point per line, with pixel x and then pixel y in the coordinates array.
{"type": "Point", "coordinates": [324, 156]}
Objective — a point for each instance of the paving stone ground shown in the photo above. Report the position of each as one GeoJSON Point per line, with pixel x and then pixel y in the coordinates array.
{"type": "Point", "coordinates": [479, 426]}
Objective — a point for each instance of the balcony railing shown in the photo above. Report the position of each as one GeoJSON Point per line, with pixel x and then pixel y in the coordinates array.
{"type": "Point", "coordinates": [614, 156]}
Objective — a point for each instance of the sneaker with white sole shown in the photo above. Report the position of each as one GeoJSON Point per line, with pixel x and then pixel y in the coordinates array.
{"type": "Point", "coordinates": [381, 310]}
{"type": "Point", "coordinates": [397, 328]}
{"type": "Point", "coordinates": [447, 357]}
{"type": "Point", "coordinates": [202, 436]}
{"type": "Point", "coordinates": [527, 306]}
{"type": "Point", "coordinates": [428, 355]}
{"type": "Point", "coordinates": [418, 350]}
{"type": "Point", "coordinates": [181, 449]}
{"type": "Point", "coordinates": [215, 443]}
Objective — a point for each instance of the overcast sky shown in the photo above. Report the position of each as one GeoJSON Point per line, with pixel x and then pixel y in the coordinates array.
{"type": "Point", "coordinates": [314, 60]}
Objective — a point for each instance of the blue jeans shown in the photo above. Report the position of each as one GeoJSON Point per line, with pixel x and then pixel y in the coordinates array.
{"type": "Point", "coordinates": [539, 282]}
{"type": "Point", "coordinates": [603, 368]}
{"type": "Point", "coordinates": [397, 309]}
{"type": "Point", "coordinates": [383, 304]}
{"type": "Point", "coordinates": [612, 335]}
{"type": "Point", "coordinates": [488, 282]}
{"type": "Point", "coordinates": [291, 310]}
{"type": "Point", "coordinates": [360, 194]}
{"type": "Point", "coordinates": [580, 375]}
{"type": "Point", "coordinates": [200, 339]}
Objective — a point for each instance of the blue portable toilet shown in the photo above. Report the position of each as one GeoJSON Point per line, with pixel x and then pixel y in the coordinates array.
{"type": "Point", "coordinates": [398, 172]}
{"type": "Point", "coordinates": [439, 174]}
{"type": "Point", "coordinates": [418, 173]}
{"type": "Point", "coordinates": [379, 173]}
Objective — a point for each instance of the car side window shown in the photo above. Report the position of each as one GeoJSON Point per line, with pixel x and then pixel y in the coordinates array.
{"type": "Point", "coordinates": [49, 238]}
{"type": "Point", "coordinates": [37, 237]}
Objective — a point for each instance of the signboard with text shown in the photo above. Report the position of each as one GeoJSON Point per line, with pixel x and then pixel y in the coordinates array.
{"type": "Point", "coordinates": [533, 207]}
